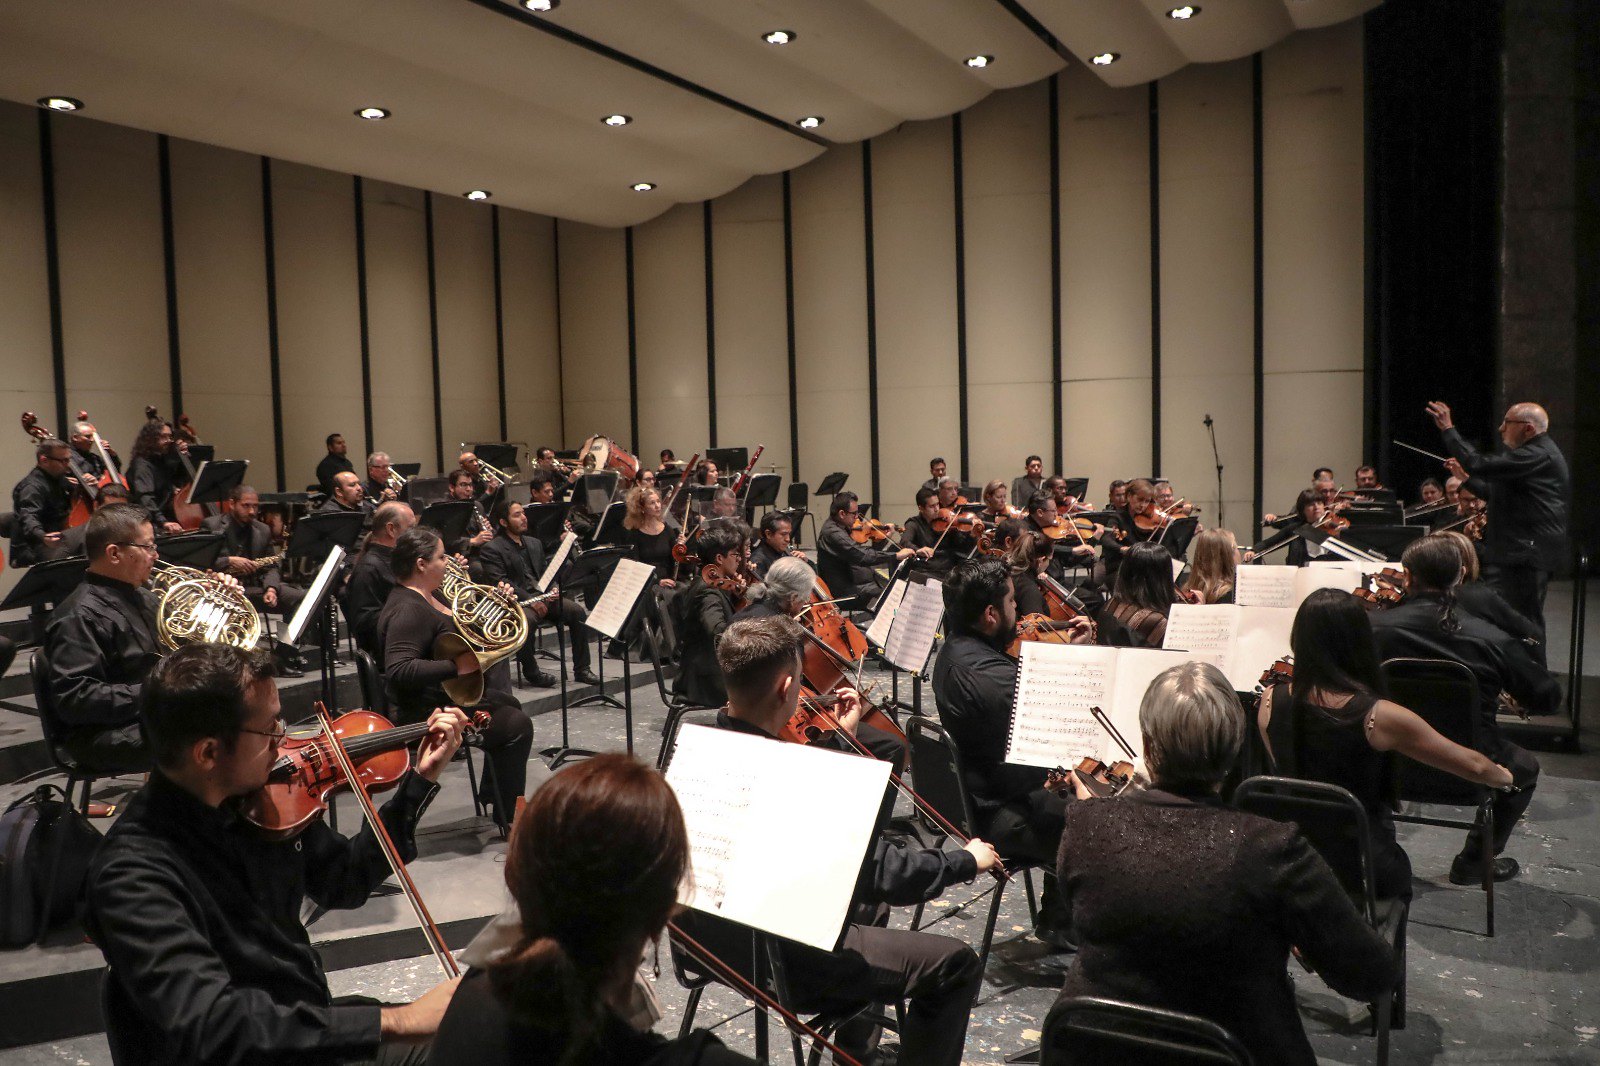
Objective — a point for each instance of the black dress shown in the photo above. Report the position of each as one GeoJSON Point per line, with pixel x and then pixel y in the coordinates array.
{"type": "Point", "coordinates": [654, 549]}
{"type": "Point", "coordinates": [1322, 744]}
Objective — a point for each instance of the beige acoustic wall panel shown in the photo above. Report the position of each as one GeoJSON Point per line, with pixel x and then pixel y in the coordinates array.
{"type": "Point", "coordinates": [1314, 258]}
{"type": "Point", "coordinates": [1105, 279]}
{"type": "Point", "coordinates": [1208, 287]}
{"type": "Point", "coordinates": [1006, 169]}
{"type": "Point", "coordinates": [669, 294]}
{"type": "Point", "coordinates": [113, 291]}
{"type": "Point", "coordinates": [752, 331]}
{"type": "Point", "coordinates": [27, 376]}
{"type": "Point", "coordinates": [319, 333]}
{"type": "Point", "coordinates": [831, 320]}
{"type": "Point", "coordinates": [399, 345]}
{"type": "Point", "coordinates": [913, 211]}
{"type": "Point", "coordinates": [532, 330]}
{"type": "Point", "coordinates": [221, 279]}
{"type": "Point", "coordinates": [594, 333]}
{"type": "Point", "coordinates": [469, 376]}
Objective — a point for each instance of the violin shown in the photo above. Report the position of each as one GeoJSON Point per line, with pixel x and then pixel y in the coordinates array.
{"type": "Point", "coordinates": [1045, 630]}
{"type": "Point", "coordinates": [1280, 672]}
{"type": "Point", "coordinates": [1155, 518]}
{"type": "Point", "coordinates": [872, 531]}
{"type": "Point", "coordinates": [306, 775]}
{"type": "Point", "coordinates": [1101, 780]}
{"type": "Point", "coordinates": [735, 586]}
{"type": "Point", "coordinates": [963, 521]}
{"type": "Point", "coordinates": [1386, 588]}
{"type": "Point", "coordinates": [1060, 604]}
{"type": "Point", "coordinates": [1333, 523]}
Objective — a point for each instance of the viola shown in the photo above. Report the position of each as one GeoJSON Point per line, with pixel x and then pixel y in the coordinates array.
{"type": "Point", "coordinates": [1386, 588]}
{"type": "Point", "coordinates": [963, 522]}
{"type": "Point", "coordinates": [1333, 523]}
{"type": "Point", "coordinates": [1060, 604]}
{"type": "Point", "coordinates": [814, 719]}
{"type": "Point", "coordinates": [1280, 672]}
{"type": "Point", "coordinates": [1045, 630]}
{"type": "Point", "coordinates": [1158, 518]}
{"type": "Point", "coordinates": [872, 531]}
{"type": "Point", "coordinates": [735, 585]}
{"type": "Point", "coordinates": [1101, 780]}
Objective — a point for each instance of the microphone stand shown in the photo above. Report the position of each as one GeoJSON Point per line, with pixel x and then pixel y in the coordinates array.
{"type": "Point", "coordinates": [1211, 428]}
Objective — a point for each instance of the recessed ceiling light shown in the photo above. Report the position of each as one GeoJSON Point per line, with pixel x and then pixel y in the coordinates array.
{"type": "Point", "coordinates": [476, 194]}
{"type": "Point", "coordinates": [810, 122]}
{"type": "Point", "coordinates": [1184, 13]}
{"type": "Point", "coordinates": [617, 120]}
{"type": "Point", "coordinates": [541, 5]}
{"type": "Point", "coordinates": [643, 186]}
{"type": "Point", "coordinates": [779, 36]}
{"type": "Point", "coordinates": [1105, 59]}
{"type": "Point", "coordinates": [979, 61]}
{"type": "Point", "coordinates": [60, 103]}
{"type": "Point", "coordinates": [372, 114]}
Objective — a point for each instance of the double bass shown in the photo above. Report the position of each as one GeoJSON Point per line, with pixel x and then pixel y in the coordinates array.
{"type": "Point", "coordinates": [188, 514]}
{"type": "Point", "coordinates": [87, 489]}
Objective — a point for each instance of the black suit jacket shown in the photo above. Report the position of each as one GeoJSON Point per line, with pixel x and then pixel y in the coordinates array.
{"type": "Point", "coordinates": [250, 542]}
{"type": "Point", "coordinates": [518, 565]}
{"type": "Point", "coordinates": [41, 503]}
{"type": "Point", "coordinates": [1529, 488]}
{"type": "Point", "coordinates": [1189, 905]}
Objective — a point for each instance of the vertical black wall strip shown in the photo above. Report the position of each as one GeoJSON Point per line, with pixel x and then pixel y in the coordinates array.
{"type": "Point", "coordinates": [433, 330]}
{"type": "Point", "coordinates": [1259, 324]}
{"type": "Point", "coordinates": [959, 198]}
{"type": "Point", "coordinates": [270, 247]}
{"type": "Point", "coordinates": [788, 315]}
{"type": "Point", "coordinates": [561, 363]}
{"type": "Point", "coordinates": [1155, 279]}
{"type": "Point", "coordinates": [872, 312]}
{"type": "Point", "coordinates": [52, 268]}
{"type": "Point", "coordinates": [711, 332]}
{"type": "Point", "coordinates": [633, 345]}
{"type": "Point", "coordinates": [499, 319]}
{"type": "Point", "coordinates": [169, 258]}
{"type": "Point", "coordinates": [1055, 276]}
{"type": "Point", "coordinates": [361, 311]}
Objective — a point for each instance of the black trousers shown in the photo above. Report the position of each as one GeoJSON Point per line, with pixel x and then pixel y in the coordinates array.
{"type": "Point", "coordinates": [1508, 806]}
{"type": "Point", "coordinates": [1030, 828]}
{"type": "Point", "coordinates": [1523, 587]}
{"type": "Point", "coordinates": [568, 613]}
{"type": "Point", "coordinates": [115, 749]}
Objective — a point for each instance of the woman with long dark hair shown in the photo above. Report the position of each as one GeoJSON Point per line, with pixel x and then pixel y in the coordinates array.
{"type": "Point", "coordinates": [595, 864]}
{"type": "Point", "coordinates": [1143, 597]}
{"type": "Point", "coordinates": [1332, 724]}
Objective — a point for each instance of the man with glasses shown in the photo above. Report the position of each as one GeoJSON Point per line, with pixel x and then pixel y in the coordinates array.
{"type": "Point", "coordinates": [1528, 487]}
{"type": "Point", "coordinates": [101, 641]}
{"type": "Point", "coordinates": [199, 913]}
{"type": "Point", "coordinates": [846, 566]}
{"type": "Point", "coordinates": [42, 501]}
{"type": "Point", "coordinates": [774, 542]}
{"type": "Point", "coordinates": [379, 469]}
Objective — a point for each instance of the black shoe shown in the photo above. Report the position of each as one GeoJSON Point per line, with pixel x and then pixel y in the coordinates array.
{"type": "Point", "coordinates": [586, 677]}
{"type": "Point", "coordinates": [540, 679]}
{"type": "Point", "coordinates": [884, 1055]}
{"type": "Point", "coordinates": [616, 651]}
{"type": "Point", "coordinates": [1470, 871]}
{"type": "Point", "coordinates": [1047, 932]}
{"type": "Point", "coordinates": [284, 669]}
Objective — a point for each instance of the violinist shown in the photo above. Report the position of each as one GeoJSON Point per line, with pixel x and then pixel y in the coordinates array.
{"type": "Point", "coordinates": [1143, 597]}
{"type": "Point", "coordinates": [1308, 512]}
{"type": "Point", "coordinates": [1213, 568]}
{"type": "Point", "coordinates": [198, 914]}
{"type": "Point", "coordinates": [704, 609]}
{"type": "Point", "coordinates": [936, 471]}
{"type": "Point", "coordinates": [155, 471]}
{"type": "Point", "coordinates": [1117, 495]}
{"type": "Point", "coordinates": [1132, 525]}
{"type": "Point", "coordinates": [1031, 481]}
{"type": "Point", "coordinates": [947, 547]}
{"type": "Point", "coordinates": [846, 566]}
{"type": "Point", "coordinates": [949, 493]}
{"type": "Point", "coordinates": [1051, 524]}
{"type": "Point", "coordinates": [1029, 555]}
{"type": "Point", "coordinates": [1367, 478]}
{"type": "Point", "coordinates": [939, 975]}
{"type": "Point", "coordinates": [774, 533]}
{"type": "Point", "coordinates": [1452, 488]}
{"type": "Point", "coordinates": [1479, 599]}
{"type": "Point", "coordinates": [42, 501]}
{"type": "Point", "coordinates": [996, 505]}
{"type": "Point", "coordinates": [585, 916]}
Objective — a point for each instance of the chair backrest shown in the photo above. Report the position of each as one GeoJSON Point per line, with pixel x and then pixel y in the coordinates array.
{"type": "Point", "coordinates": [1331, 818]}
{"type": "Point", "coordinates": [373, 692]}
{"type": "Point", "coordinates": [1445, 695]}
{"type": "Point", "coordinates": [49, 714]}
{"type": "Point", "coordinates": [1088, 1029]}
{"type": "Point", "coordinates": [799, 495]}
{"type": "Point", "coordinates": [936, 765]}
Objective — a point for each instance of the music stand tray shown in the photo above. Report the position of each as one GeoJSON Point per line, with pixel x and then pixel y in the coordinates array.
{"type": "Point", "coordinates": [198, 550]}
{"type": "Point", "coordinates": [502, 454]}
{"type": "Point", "coordinates": [832, 484]}
{"type": "Point", "coordinates": [1180, 531]}
{"type": "Point", "coordinates": [202, 453]}
{"type": "Point", "coordinates": [1387, 541]}
{"type": "Point", "coordinates": [420, 492]}
{"type": "Point", "coordinates": [597, 489]}
{"type": "Point", "coordinates": [610, 528]}
{"type": "Point", "coordinates": [762, 491]}
{"type": "Point", "coordinates": [668, 481]}
{"type": "Point", "coordinates": [729, 460]}
{"type": "Point", "coordinates": [1077, 487]}
{"type": "Point", "coordinates": [214, 481]}
{"type": "Point", "coordinates": [316, 534]}
{"type": "Point", "coordinates": [545, 520]}
{"type": "Point", "coordinates": [44, 583]}
{"type": "Point", "coordinates": [407, 470]}
{"type": "Point", "coordinates": [449, 519]}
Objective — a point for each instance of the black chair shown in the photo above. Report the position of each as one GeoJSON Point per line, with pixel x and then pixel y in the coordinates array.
{"type": "Point", "coordinates": [1089, 1029]}
{"type": "Point", "coordinates": [799, 495]}
{"type": "Point", "coordinates": [937, 766]}
{"type": "Point", "coordinates": [50, 724]}
{"type": "Point", "coordinates": [1445, 695]}
{"type": "Point", "coordinates": [1335, 823]}
{"type": "Point", "coordinates": [676, 713]}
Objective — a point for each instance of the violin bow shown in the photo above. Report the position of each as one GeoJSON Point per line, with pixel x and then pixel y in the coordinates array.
{"type": "Point", "coordinates": [1116, 734]}
{"type": "Point", "coordinates": [430, 931]}
{"type": "Point", "coordinates": [763, 1001]}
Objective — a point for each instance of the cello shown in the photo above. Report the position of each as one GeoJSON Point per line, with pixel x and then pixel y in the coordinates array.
{"type": "Point", "coordinates": [834, 645]}
{"type": "Point", "coordinates": [188, 514]}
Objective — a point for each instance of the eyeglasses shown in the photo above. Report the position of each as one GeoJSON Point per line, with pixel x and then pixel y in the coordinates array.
{"type": "Point", "coordinates": [279, 731]}
{"type": "Point", "coordinates": [150, 547]}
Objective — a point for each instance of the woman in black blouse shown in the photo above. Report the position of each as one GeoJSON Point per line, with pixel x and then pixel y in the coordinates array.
{"type": "Point", "coordinates": [647, 531]}
{"type": "Point", "coordinates": [595, 865]}
{"type": "Point", "coordinates": [412, 620]}
{"type": "Point", "coordinates": [1144, 595]}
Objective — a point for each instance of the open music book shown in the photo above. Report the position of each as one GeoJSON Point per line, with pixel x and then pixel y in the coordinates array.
{"type": "Point", "coordinates": [1057, 684]}
{"type": "Point", "coordinates": [739, 793]}
{"type": "Point", "coordinates": [1246, 639]}
{"type": "Point", "coordinates": [912, 629]}
{"type": "Point", "coordinates": [1288, 586]}
{"type": "Point", "coordinates": [878, 631]}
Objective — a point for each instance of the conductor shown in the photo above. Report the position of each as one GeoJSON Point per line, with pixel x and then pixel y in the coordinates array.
{"type": "Point", "coordinates": [1528, 487]}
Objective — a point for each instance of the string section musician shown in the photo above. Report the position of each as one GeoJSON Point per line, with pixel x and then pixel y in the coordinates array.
{"type": "Point", "coordinates": [155, 470]}
{"type": "Point", "coordinates": [846, 566]}
{"type": "Point", "coordinates": [42, 501]}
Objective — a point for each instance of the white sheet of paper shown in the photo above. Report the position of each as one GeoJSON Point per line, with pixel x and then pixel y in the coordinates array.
{"type": "Point", "coordinates": [737, 791]}
{"type": "Point", "coordinates": [915, 623]}
{"type": "Point", "coordinates": [627, 580]}
{"type": "Point", "coordinates": [1177, 567]}
{"type": "Point", "coordinates": [878, 631]}
{"type": "Point", "coordinates": [319, 584]}
{"type": "Point", "coordinates": [1247, 639]}
{"type": "Point", "coordinates": [568, 539]}
{"type": "Point", "coordinates": [1266, 586]}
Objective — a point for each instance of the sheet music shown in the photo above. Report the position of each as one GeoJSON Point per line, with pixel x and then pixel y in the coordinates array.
{"type": "Point", "coordinates": [1209, 627]}
{"type": "Point", "coordinates": [737, 791]}
{"type": "Point", "coordinates": [915, 622]}
{"type": "Point", "coordinates": [1056, 685]}
{"type": "Point", "coordinates": [1247, 640]}
{"type": "Point", "coordinates": [616, 602]}
{"type": "Point", "coordinates": [568, 539]}
{"type": "Point", "coordinates": [878, 631]}
{"type": "Point", "coordinates": [1177, 568]}
{"type": "Point", "coordinates": [314, 595]}
{"type": "Point", "coordinates": [1266, 586]}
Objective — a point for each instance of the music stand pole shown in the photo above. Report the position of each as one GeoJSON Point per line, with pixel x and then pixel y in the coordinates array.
{"type": "Point", "coordinates": [561, 660]}
{"type": "Point", "coordinates": [329, 649]}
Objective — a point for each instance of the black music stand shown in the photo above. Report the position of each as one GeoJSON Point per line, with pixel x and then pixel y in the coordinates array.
{"type": "Point", "coordinates": [501, 454]}
{"type": "Point", "coordinates": [761, 491]}
{"type": "Point", "coordinates": [46, 583]}
{"type": "Point", "coordinates": [597, 489]}
{"type": "Point", "coordinates": [1390, 542]}
{"type": "Point", "coordinates": [1077, 487]}
{"type": "Point", "coordinates": [197, 550]}
{"type": "Point", "coordinates": [320, 608]}
{"type": "Point", "coordinates": [449, 519]}
{"type": "Point", "coordinates": [546, 521]}
{"type": "Point", "coordinates": [420, 492]}
{"type": "Point", "coordinates": [728, 460]}
{"type": "Point", "coordinates": [516, 492]}
{"type": "Point", "coordinates": [832, 485]}
{"type": "Point", "coordinates": [581, 571]}
{"type": "Point", "coordinates": [214, 481]}
{"type": "Point", "coordinates": [202, 453]}
{"type": "Point", "coordinates": [700, 497]}
{"type": "Point", "coordinates": [407, 470]}
{"type": "Point", "coordinates": [609, 529]}
{"type": "Point", "coordinates": [666, 482]}
{"type": "Point", "coordinates": [316, 534]}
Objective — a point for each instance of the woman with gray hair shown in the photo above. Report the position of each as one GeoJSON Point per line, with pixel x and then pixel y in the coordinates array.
{"type": "Point", "coordinates": [1178, 901]}
{"type": "Point", "coordinates": [785, 590]}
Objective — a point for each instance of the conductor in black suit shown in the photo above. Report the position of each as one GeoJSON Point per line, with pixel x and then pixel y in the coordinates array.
{"type": "Point", "coordinates": [1528, 488]}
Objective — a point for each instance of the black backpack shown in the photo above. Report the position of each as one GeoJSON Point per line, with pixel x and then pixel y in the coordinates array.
{"type": "Point", "coordinates": [45, 848]}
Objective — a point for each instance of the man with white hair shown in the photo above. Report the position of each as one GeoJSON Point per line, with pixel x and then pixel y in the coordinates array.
{"type": "Point", "coordinates": [1528, 487]}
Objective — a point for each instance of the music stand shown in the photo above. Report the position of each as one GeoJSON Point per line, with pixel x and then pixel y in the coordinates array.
{"type": "Point", "coordinates": [832, 485]}
{"type": "Point", "coordinates": [316, 535]}
{"type": "Point", "coordinates": [609, 529]}
{"type": "Point", "coordinates": [214, 481]}
{"type": "Point", "coordinates": [971, 492]}
{"type": "Point", "coordinates": [1390, 542]}
{"type": "Point", "coordinates": [623, 635]}
{"type": "Point", "coordinates": [545, 520]}
{"type": "Point", "coordinates": [420, 492]}
{"type": "Point", "coordinates": [449, 519]}
{"type": "Point", "coordinates": [700, 499]}
{"type": "Point", "coordinates": [319, 605]}
{"type": "Point", "coordinates": [729, 460]}
{"type": "Point", "coordinates": [580, 573]}
{"type": "Point", "coordinates": [1077, 487]}
{"type": "Point", "coordinates": [407, 470]}
{"type": "Point", "coordinates": [202, 453]}
{"type": "Point", "coordinates": [197, 550]}
{"type": "Point", "coordinates": [46, 583]}
{"type": "Point", "coordinates": [761, 491]}
{"type": "Point", "coordinates": [1180, 531]}
{"type": "Point", "coordinates": [597, 489]}
{"type": "Point", "coordinates": [501, 454]}
{"type": "Point", "coordinates": [1374, 515]}
{"type": "Point", "coordinates": [667, 481]}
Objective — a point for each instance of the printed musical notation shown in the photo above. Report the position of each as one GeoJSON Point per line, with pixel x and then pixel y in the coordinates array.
{"type": "Point", "coordinates": [616, 602]}
{"type": "Point", "coordinates": [568, 539]}
{"type": "Point", "coordinates": [1051, 724]}
{"type": "Point", "coordinates": [915, 622]}
{"type": "Point", "coordinates": [878, 631]}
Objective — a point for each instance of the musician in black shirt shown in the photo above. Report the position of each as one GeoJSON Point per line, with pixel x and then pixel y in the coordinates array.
{"type": "Point", "coordinates": [518, 560]}
{"type": "Point", "coordinates": [947, 548]}
{"type": "Point", "coordinates": [371, 578]}
{"type": "Point", "coordinates": [348, 497]}
{"type": "Point", "coordinates": [337, 461]}
{"type": "Point", "coordinates": [88, 455]}
{"type": "Point", "coordinates": [42, 501]}
{"type": "Point", "coordinates": [248, 554]}
{"type": "Point", "coordinates": [703, 611]}
{"type": "Point", "coordinates": [847, 566]}
{"type": "Point", "coordinates": [478, 531]}
{"type": "Point", "coordinates": [155, 471]}
{"type": "Point", "coordinates": [380, 471]}
{"type": "Point", "coordinates": [773, 542]}
{"type": "Point", "coordinates": [198, 912]}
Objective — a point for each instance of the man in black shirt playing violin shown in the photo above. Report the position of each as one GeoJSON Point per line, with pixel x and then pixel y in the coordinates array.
{"type": "Point", "coordinates": [198, 912]}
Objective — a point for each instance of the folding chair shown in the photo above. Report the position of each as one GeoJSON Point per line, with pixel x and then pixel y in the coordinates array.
{"type": "Point", "coordinates": [1089, 1029]}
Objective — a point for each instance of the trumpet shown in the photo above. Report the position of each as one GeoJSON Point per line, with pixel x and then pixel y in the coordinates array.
{"type": "Point", "coordinates": [395, 480]}
{"type": "Point", "coordinates": [493, 476]}
{"type": "Point", "coordinates": [197, 607]}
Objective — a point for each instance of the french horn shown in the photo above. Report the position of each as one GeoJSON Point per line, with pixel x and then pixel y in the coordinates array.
{"type": "Point", "coordinates": [488, 623]}
{"type": "Point", "coordinates": [197, 608]}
